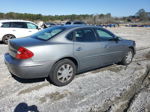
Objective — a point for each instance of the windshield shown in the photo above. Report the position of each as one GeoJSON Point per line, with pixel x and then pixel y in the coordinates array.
{"type": "Point", "coordinates": [48, 33]}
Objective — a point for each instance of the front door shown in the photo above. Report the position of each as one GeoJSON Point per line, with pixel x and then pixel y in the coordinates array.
{"type": "Point", "coordinates": [111, 50]}
{"type": "Point", "coordinates": [31, 28]}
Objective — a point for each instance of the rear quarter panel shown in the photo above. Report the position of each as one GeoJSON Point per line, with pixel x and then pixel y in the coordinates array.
{"type": "Point", "coordinates": [53, 52]}
{"type": "Point", "coordinates": [5, 31]}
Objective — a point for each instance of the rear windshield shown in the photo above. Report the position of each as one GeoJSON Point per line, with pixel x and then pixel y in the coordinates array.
{"type": "Point", "coordinates": [48, 33]}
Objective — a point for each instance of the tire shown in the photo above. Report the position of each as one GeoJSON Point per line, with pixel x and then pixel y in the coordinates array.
{"type": "Point", "coordinates": [128, 58]}
{"type": "Point", "coordinates": [62, 72]}
{"type": "Point", "coordinates": [7, 37]}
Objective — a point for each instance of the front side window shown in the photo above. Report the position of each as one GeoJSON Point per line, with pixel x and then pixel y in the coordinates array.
{"type": "Point", "coordinates": [18, 25]}
{"type": "Point", "coordinates": [48, 33]}
{"type": "Point", "coordinates": [31, 26]}
{"type": "Point", "coordinates": [104, 35]}
{"type": "Point", "coordinates": [5, 25]}
{"type": "Point", "coordinates": [85, 35]}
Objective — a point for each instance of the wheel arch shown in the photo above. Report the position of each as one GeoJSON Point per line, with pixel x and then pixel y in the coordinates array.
{"type": "Point", "coordinates": [9, 34]}
{"type": "Point", "coordinates": [131, 47]}
{"type": "Point", "coordinates": [70, 58]}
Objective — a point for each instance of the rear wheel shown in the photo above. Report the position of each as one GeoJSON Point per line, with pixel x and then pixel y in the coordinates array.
{"type": "Point", "coordinates": [7, 37]}
{"type": "Point", "coordinates": [62, 72]}
{"type": "Point", "coordinates": [128, 58]}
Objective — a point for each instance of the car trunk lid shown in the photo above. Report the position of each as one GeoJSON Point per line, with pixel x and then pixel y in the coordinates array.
{"type": "Point", "coordinates": [27, 42]}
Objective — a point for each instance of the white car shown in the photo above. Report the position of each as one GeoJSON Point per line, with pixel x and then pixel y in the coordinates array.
{"type": "Point", "coordinates": [16, 28]}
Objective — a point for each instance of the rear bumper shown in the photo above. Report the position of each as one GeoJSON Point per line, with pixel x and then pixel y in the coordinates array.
{"type": "Point", "coordinates": [27, 69]}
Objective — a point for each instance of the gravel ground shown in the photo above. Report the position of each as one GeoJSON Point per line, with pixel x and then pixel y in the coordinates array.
{"type": "Point", "coordinates": [114, 88]}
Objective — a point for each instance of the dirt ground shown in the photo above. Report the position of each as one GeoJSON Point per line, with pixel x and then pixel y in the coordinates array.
{"type": "Point", "coordinates": [114, 88]}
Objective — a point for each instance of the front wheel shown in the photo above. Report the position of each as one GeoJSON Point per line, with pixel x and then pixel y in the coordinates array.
{"type": "Point", "coordinates": [62, 72]}
{"type": "Point", "coordinates": [128, 58]}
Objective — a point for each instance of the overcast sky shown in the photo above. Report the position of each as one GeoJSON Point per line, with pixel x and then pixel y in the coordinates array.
{"type": "Point", "coordinates": [65, 7]}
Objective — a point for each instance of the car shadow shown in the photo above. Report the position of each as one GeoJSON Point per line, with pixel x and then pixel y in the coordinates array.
{"type": "Point", "coordinates": [94, 69]}
{"type": "Point", "coordinates": [28, 80]}
{"type": "Point", "coordinates": [21, 80]}
{"type": "Point", "coordinates": [47, 79]}
{"type": "Point", "coordinates": [23, 107]}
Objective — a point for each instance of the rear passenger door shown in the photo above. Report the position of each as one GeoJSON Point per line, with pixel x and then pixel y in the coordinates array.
{"type": "Point", "coordinates": [86, 48]}
{"type": "Point", "coordinates": [14, 28]}
{"type": "Point", "coordinates": [18, 29]}
{"type": "Point", "coordinates": [23, 29]}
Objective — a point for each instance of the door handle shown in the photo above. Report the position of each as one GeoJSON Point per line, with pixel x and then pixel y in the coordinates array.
{"type": "Point", "coordinates": [14, 30]}
{"type": "Point", "coordinates": [79, 49]}
{"type": "Point", "coordinates": [30, 31]}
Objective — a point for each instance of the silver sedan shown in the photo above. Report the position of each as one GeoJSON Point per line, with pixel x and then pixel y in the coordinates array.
{"type": "Point", "coordinates": [61, 52]}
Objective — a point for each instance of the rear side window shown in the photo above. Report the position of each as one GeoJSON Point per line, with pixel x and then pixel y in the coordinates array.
{"type": "Point", "coordinates": [5, 25]}
{"type": "Point", "coordinates": [70, 36]}
{"type": "Point", "coordinates": [31, 26]}
{"type": "Point", "coordinates": [85, 35]}
{"type": "Point", "coordinates": [18, 25]}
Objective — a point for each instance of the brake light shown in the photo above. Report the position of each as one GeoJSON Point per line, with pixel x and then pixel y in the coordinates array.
{"type": "Point", "coordinates": [24, 53]}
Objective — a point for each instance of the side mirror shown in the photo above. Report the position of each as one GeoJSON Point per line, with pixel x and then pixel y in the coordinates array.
{"type": "Point", "coordinates": [116, 38]}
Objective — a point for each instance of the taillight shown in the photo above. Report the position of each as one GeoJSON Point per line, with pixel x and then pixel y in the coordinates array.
{"type": "Point", "coordinates": [23, 53]}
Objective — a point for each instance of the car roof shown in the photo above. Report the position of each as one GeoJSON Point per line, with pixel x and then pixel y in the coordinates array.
{"type": "Point", "coordinates": [78, 26]}
{"type": "Point", "coordinates": [75, 21]}
{"type": "Point", "coordinates": [49, 23]}
{"type": "Point", "coordinates": [13, 20]}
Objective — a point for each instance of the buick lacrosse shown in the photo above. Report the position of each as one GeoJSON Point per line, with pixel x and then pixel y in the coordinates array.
{"type": "Point", "coordinates": [61, 52]}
